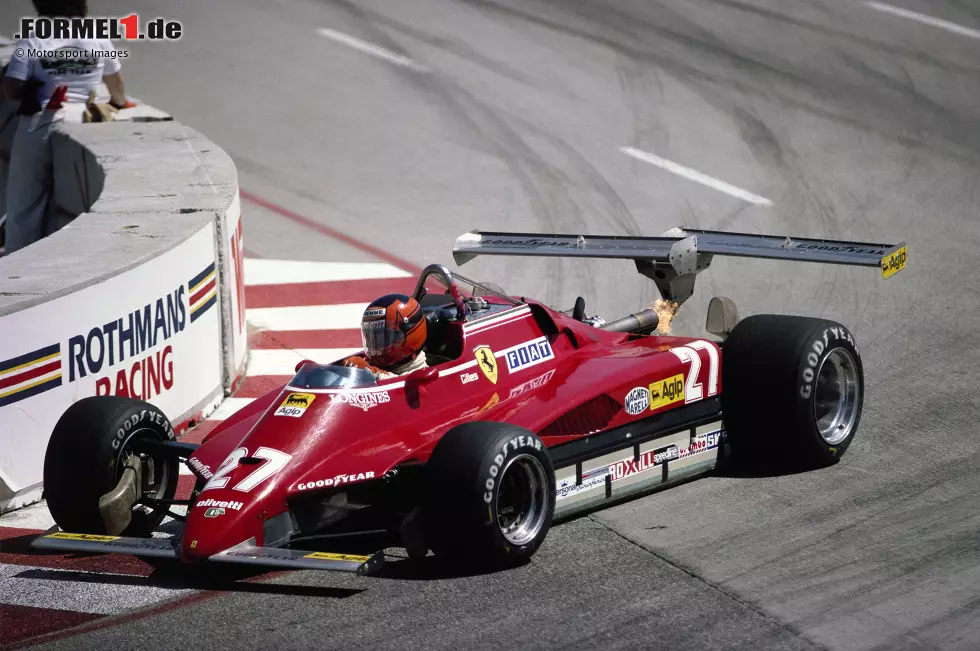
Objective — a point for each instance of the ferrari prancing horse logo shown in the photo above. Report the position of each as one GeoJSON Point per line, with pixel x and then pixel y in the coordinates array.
{"type": "Point", "coordinates": [486, 361]}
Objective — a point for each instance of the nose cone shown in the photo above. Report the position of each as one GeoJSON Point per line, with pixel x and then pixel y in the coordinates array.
{"type": "Point", "coordinates": [220, 519]}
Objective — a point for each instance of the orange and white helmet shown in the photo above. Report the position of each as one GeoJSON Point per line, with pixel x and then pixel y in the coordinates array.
{"type": "Point", "coordinates": [393, 330]}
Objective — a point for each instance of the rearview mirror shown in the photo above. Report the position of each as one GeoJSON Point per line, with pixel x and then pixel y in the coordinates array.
{"type": "Point", "coordinates": [722, 316]}
{"type": "Point", "coordinates": [302, 364]}
{"type": "Point", "coordinates": [423, 376]}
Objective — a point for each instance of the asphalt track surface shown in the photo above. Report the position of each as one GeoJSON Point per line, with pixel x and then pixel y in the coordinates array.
{"type": "Point", "coordinates": [503, 114]}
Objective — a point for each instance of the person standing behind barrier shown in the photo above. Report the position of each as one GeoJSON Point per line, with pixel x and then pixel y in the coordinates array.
{"type": "Point", "coordinates": [32, 80]}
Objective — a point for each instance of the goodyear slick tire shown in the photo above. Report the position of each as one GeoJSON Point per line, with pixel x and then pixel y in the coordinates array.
{"type": "Point", "coordinates": [83, 461]}
{"type": "Point", "coordinates": [769, 365]}
{"type": "Point", "coordinates": [461, 524]}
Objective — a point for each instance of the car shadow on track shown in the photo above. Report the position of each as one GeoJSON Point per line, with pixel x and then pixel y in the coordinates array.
{"type": "Point", "coordinates": [427, 569]}
{"type": "Point", "coordinates": [167, 580]}
{"type": "Point", "coordinates": [166, 574]}
{"type": "Point", "coordinates": [734, 468]}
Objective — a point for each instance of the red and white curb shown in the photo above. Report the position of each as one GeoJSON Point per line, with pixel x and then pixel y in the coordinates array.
{"type": "Point", "coordinates": [295, 310]}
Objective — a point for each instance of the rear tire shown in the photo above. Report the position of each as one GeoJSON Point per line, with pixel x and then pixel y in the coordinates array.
{"type": "Point", "coordinates": [490, 495]}
{"type": "Point", "coordinates": [85, 457]}
{"type": "Point", "coordinates": [792, 390]}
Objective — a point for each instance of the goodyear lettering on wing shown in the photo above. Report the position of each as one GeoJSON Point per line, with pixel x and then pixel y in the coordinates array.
{"type": "Point", "coordinates": [528, 354]}
{"type": "Point", "coordinates": [295, 404]}
{"type": "Point", "coordinates": [836, 248]}
{"type": "Point", "coordinates": [667, 392]}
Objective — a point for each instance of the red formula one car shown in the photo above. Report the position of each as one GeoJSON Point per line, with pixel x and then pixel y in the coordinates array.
{"type": "Point", "coordinates": [524, 414]}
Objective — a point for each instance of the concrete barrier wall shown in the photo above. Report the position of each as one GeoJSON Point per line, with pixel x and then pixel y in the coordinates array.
{"type": "Point", "coordinates": [140, 295]}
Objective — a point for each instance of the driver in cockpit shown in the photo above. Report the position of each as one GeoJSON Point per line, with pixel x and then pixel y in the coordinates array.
{"type": "Point", "coordinates": [393, 331]}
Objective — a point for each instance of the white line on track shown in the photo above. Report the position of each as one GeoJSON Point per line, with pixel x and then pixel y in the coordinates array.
{"type": "Point", "coordinates": [278, 272]}
{"type": "Point", "coordinates": [283, 362]}
{"type": "Point", "coordinates": [925, 20]}
{"type": "Point", "coordinates": [308, 317]}
{"type": "Point", "coordinates": [695, 176]}
{"type": "Point", "coordinates": [369, 48]}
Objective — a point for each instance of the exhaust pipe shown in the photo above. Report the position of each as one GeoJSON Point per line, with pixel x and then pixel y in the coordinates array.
{"type": "Point", "coordinates": [643, 322]}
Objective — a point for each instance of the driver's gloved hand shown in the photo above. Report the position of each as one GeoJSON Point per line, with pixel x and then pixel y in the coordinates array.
{"type": "Point", "coordinates": [594, 321]}
{"type": "Point", "coordinates": [355, 361]}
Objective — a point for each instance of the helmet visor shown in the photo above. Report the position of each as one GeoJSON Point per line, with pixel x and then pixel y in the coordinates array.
{"type": "Point", "coordinates": [380, 341]}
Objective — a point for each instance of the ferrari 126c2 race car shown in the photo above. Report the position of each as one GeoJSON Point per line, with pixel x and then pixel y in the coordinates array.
{"type": "Point", "coordinates": [524, 414]}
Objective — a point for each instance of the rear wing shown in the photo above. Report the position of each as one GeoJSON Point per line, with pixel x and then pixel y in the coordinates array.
{"type": "Point", "coordinates": [674, 259]}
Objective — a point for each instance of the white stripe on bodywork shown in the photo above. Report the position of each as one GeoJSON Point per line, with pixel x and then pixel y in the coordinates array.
{"type": "Point", "coordinates": [505, 316]}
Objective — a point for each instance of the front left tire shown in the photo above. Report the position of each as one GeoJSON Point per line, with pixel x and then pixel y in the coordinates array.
{"type": "Point", "coordinates": [86, 455]}
{"type": "Point", "coordinates": [490, 495]}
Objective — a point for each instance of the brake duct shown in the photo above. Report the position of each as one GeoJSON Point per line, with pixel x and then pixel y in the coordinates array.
{"type": "Point", "coordinates": [116, 506]}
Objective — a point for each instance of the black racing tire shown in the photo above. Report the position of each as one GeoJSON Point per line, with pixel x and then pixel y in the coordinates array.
{"type": "Point", "coordinates": [490, 496]}
{"type": "Point", "coordinates": [85, 457]}
{"type": "Point", "coordinates": [792, 390]}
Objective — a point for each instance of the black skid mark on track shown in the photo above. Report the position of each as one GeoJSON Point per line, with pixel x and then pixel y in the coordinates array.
{"type": "Point", "coordinates": [366, 21]}
{"type": "Point", "coordinates": [488, 133]}
{"type": "Point", "coordinates": [694, 574]}
{"type": "Point", "coordinates": [563, 196]}
{"type": "Point", "coordinates": [817, 92]}
{"type": "Point", "coordinates": [639, 84]}
{"type": "Point", "coordinates": [464, 51]}
{"type": "Point", "coordinates": [583, 175]}
{"type": "Point", "coordinates": [833, 32]}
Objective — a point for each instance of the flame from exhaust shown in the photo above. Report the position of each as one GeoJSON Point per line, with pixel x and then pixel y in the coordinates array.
{"type": "Point", "coordinates": [666, 311]}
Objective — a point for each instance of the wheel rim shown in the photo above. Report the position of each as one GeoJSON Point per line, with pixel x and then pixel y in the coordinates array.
{"type": "Point", "coordinates": [837, 396]}
{"type": "Point", "coordinates": [522, 499]}
{"type": "Point", "coordinates": [161, 467]}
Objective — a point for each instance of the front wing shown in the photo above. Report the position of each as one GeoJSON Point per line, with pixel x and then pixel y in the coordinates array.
{"type": "Point", "coordinates": [245, 553]}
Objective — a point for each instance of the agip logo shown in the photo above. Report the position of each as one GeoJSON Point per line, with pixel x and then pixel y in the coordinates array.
{"type": "Point", "coordinates": [295, 404]}
{"type": "Point", "coordinates": [667, 392]}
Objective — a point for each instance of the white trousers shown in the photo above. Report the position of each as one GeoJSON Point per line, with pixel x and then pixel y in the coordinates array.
{"type": "Point", "coordinates": [30, 180]}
